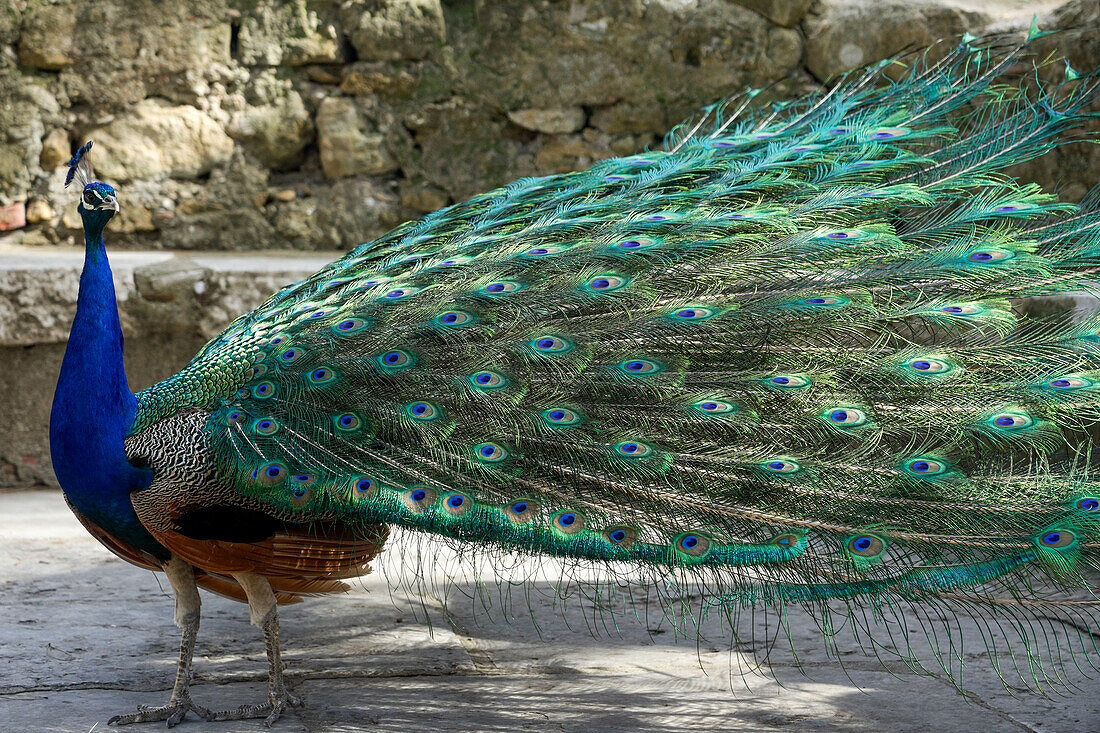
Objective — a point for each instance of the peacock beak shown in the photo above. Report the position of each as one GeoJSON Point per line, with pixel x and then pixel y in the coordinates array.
{"type": "Point", "coordinates": [108, 204]}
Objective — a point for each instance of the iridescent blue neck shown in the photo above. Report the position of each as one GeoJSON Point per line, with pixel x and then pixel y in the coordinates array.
{"type": "Point", "coordinates": [93, 407]}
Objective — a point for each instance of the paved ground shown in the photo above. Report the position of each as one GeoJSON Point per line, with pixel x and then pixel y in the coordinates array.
{"type": "Point", "coordinates": [84, 636]}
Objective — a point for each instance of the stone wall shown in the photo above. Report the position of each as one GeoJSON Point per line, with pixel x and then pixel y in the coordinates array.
{"type": "Point", "coordinates": [319, 124]}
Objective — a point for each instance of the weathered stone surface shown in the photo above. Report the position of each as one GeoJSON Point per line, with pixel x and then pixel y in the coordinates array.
{"type": "Point", "coordinates": [275, 133]}
{"type": "Point", "coordinates": [46, 36]}
{"type": "Point", "coordinates": [784, 12]}
{"type": "Point", "coordinates": [38, 211]}
{"type": "Point", "coordinates": [569, 119]}
{"type": "Point", "coordinates": [839, 38]}
{"type": "Point", "coordinates": [13, 216]}
{"type": "Point", "coordinates": [395, 29]}
{"type": "Point", "coordinates": [126, 51]}
{"type": "Point", "coordinates": [156, 140]}
{"type": "Point", "coordinates": [287, 33]}
{"type": "Point", "coordinates": [350, 142]}
{"type": "Point", "coordinates": [384, 78]}
{"type": "Point", "coordinates": [55, 150]}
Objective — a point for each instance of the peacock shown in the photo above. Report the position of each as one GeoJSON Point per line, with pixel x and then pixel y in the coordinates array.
{"type": "Point", "coordinates": [782, 356]}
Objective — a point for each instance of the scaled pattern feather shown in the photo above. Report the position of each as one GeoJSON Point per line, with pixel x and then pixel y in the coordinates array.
{"type": "Point", "coordinates": [777, 357]}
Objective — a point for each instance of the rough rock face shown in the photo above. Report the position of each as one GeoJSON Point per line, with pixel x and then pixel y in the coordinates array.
{"type": "Point", "coordinates": [255, 124]}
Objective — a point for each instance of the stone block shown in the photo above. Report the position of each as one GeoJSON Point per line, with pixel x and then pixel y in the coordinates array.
{"type": "Point", "coordinates": [551, 121]}
{"type": "Point", "coordinates": [13, 216]}
{"type": "Point", "coordinates": [349, 142]}
{"type": "Point", "coordinates": [275, 133]}
{"type": "Point", "coordinates": [384, 30]}
{"type": "Point", "coordinates": [156, 140]}
{"type": "Point", "coordinates": [844, 34]}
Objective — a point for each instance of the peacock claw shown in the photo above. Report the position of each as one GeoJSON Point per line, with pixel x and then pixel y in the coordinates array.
{"type": "Point", "coordinates": [174, 713]}
{"type": "Point", "coordinates": [270, 711]}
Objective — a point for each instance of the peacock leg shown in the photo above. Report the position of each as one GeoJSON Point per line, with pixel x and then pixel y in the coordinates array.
{"type": "Point", "coordinates": [263, 613]}
{"type": "Point", "coordinates": [188, 606]}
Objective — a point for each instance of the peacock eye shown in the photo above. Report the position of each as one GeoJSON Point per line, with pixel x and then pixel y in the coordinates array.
{"type": "Point", "coordinates": [90, 197]}
{"type": "Point", "coordinates": [847, 416]}
{"type": "Point", "coordinates": [781, 466]}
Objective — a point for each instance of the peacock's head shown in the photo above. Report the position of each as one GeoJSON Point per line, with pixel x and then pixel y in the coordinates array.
{"type": "Point", "coordinates": [98, 202]}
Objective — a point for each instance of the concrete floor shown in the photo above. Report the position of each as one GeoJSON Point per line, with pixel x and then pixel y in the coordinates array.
{"type": "Point", "coordinates": [84, 636]}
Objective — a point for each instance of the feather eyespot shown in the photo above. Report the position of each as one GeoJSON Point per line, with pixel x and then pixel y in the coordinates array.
{"type": "Point", "coordinates": [561, 416]}
{"type": "Point", "coordinates": [865, 545]}
{"type": "Point", "coordinates": [844, 234]}
{"type": "Point", "coordinates": [275, 341]}
{"type": "Point", "coordinates": [633, 449]}
{"type": "Point", "coordinates": [606, 283]}
{"type": "Point", "coordinates": [454, 318]}
{"type": "Point", "coordinates": [350, 325]}
{"type": "Point", "coordinates": [623, 537]}
{"type": "Point", "coordinates": [543, 251]}
{"type": "Point", "coordinates": [925, 466]}
{"type": "Point", "coordinates": [264, 390]}
{"type": "Point", "coordinates": [847, 417]}
{"type": "Point", "coordinates": [258, 371]}
{"type": "Point", "coordinates": [928, 365]}
{"type": "Point", "coordinates": [787, 381]}
{"type": "Point", "coordinates": [787, 539]}
{"type": "Point", "coordinates": [364, 487]}
{"type": "Point", "coordinates": [488, 380]}
{"type": "Point", "coordinates": [418, 499]}
{"type": "Point", "coordinates": [1088, 504]}
{"type": "Point", "coordinates": [322, 375]}
{"type": "Point", "coordinates": [569, 523]}
{"type": "Point", "coordinates": [715, 407]}
{"type": "Point", "coordinates": [965, 309]}
{"type": "Point", "coordinates": [235, 417]}
{"type": "Point", "coordinates": [824, 300]}
{"type": "Point", "coordinates": [1057, 539]}
{"type": "Point", "coordinates": [291, 355]}
{"type": "Point", "coordinates": [887, 133]}
{"type": "Point", "coordinates": [781, 465]}
{"type": "Point", "coordinates": [265, 426]}
{"type": "Point", "coordinates": [490, 452]}
{"type": "Point", "coordinates": [1070, 383]}
{"type": "Point", "coordinates": [522, 511]}
{"type": "Point", "coordinates": [551, 344]}
{"type": "Point", "coordinates": [501, 287]}
{"type": "Point", "coordinates": [395, 359]}
{"type": "Point", "coordinates": [348, 422]}
{"type": "Point", "coordinates": [422, 411]}
{"type": "Point", "coordinates": [990, 255]}
{"type": "Point", "coordinates": [457, 504]}
{"type": "Point", "coordinates": [400, 292]}
{"type": "Point", "coordinates": [271, 474]}
{"type": "Point", "coordinates": [1011, 421]}
{"type": "Point", "coordinates": [693, 313]}
{"type": "Point", "coordinates": [1009, 208]}
{"type": "Point", "coordinates": [636, 244]}
{"type": "Point", "coordinates": [692, 544]}
{"type": "Point", "coordinates": [640, 366]}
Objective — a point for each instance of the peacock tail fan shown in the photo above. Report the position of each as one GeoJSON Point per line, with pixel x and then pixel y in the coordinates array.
{"type": "Point", "coordinates": [778, 359]}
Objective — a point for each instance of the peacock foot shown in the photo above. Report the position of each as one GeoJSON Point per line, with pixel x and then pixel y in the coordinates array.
{"type": "Point", "coordinates": [270, 711]}
{"type": "Point", "coordinates": [174, 712]}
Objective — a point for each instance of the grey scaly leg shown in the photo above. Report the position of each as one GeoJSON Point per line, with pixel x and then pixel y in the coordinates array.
{"type": "Point", "coordinates": [188, 606]}
{"type": "Point", "coordinates": [263, 613]}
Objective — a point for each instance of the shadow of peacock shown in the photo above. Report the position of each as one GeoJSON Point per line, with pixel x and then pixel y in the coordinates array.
{"type": "Point", "coordinates": [775, 358]}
